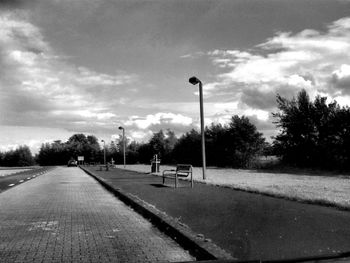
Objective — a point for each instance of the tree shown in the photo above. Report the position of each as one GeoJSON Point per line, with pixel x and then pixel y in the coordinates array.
{"type": "Point", "coordinates": [244, 142]}
{"type": "Point", "coordinates": [157, 144]}
{"type": "Point", "coordinates": [132, 152]}
{"type": "Point", "coordinates": [145, 152]}
{"type": "Point", "coordinates": [58, 153]}
{"type": "Point", "coordinates": [92, 149]}
{"type": "Point", "coordinates": [217, 148]}
{"type": "Point", "coordinates": [169, 145]}
{"type": "Point", "coordinates": [25, 157]}
{"type": "Point", "coordinates": [21, 156]}
{"type": "Point", "coordinates": [76, 145]}
{"type": "Point", "coordinates": [297, 128]}
{"type": "Point", "coordinates": [188, 148]}
{"type": "Point", "coordinates": [312, 133]}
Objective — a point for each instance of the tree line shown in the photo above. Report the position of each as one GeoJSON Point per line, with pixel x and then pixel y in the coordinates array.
{"type": "Point", "coordinates": [311, 134]}
{"type": "Point", "coordinates": [235, 144]}
{"type": "Point", "coordinates": [59, 153]}
{"type": "Point", "coordinates": [21, 156]}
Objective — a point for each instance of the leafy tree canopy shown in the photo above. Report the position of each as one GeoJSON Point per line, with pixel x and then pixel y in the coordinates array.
{"type": "Point", "coordinates": [312, 133]}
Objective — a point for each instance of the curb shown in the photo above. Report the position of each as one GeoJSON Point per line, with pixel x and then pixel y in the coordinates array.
{"type": "Point", "coordinates": [197, 245]}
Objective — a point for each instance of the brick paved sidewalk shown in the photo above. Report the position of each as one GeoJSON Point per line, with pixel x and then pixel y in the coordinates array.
{"type": "Point", "coordinates": [66, 216]}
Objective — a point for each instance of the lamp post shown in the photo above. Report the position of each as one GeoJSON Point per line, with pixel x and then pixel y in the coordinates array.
{"type": "Point", "coordinates": [104, 152]}
{"type": "Point", "coordinates": [121, 128]}
{"type": "Point", "coordinates": [194, 81]}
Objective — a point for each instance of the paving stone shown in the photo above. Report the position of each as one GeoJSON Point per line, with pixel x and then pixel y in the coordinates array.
{"type": "Point", "coordinates": [66, 216]}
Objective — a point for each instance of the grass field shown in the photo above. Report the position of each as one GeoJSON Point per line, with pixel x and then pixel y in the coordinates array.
{"type": "Point", "coordinates": [7, 171]}
{"type": "Point", "coordinates": [333, 190]}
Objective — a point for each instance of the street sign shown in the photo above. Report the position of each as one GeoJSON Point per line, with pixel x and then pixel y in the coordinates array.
{"type": "Point", "coordinates": [81, 158]}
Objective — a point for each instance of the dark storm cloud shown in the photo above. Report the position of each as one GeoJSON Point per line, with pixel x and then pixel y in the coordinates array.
{"type": "Point", "coordinates": [267, 128]}
{"type": "Point", "coordinates": [16, 4]}
{"type": "Point", "coordinates": [11, 3]}
{"type": "Point", "coordinates": [259, 100]}
{"type": "Point", "coordinates": [22, 102]}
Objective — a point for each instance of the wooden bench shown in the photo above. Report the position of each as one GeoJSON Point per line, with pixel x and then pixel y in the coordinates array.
{"type": "Point", "coordinates": [182, 170]}
{"type": "Point", "coordinates": [104, 166]}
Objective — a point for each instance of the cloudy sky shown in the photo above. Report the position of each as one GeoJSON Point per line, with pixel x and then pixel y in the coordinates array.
{"type": "Point", "coordinates": [92, 65]}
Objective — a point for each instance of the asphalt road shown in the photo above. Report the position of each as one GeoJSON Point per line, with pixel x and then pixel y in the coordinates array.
{"type": "Point", "coordinates": [249, 226]}
{"type": "Point", "coordinates": [66, 216]}
{"type": "Point", "coordinates": [12, 180]}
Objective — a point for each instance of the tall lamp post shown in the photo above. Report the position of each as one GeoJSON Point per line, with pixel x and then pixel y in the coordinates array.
{"type": "Point", "coordinates": [104, 152]}
{"type": "Point", "coordinates": [194, 81]}
{"type": "Point", "coordinates": [122, 128]}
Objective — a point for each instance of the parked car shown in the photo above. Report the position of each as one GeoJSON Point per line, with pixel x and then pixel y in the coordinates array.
{"type": "Point", "coordinates": [72, 163]}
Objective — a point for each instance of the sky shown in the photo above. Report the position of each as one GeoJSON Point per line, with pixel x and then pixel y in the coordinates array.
{"type": "Point", "coordinates": [90, 66]}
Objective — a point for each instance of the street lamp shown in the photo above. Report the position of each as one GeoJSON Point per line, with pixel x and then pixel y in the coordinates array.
{"type": "Point", "coordinates": [121, 128]}
{"type": "Point", "coordinates": [194, 81]}
{"type": "Point", "coordinates": [104, 152]}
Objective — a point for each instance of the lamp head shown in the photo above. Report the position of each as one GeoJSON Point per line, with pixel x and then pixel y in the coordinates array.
{"type": "Point", "coordinates": [121, 128]}
{"type": "Point", "coordinates": [193, 80]}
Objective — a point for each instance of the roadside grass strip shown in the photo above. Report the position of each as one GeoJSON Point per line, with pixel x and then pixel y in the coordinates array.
{"type": "Point", "coordinates": [6, 172]}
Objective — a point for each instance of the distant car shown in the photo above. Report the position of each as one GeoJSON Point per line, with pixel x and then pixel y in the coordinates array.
{"type": "Point", "coordinates": [72, 163]}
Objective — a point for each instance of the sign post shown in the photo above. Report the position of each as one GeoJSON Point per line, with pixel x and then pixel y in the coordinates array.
{"type": "Point", "coordinates": [81, 159]}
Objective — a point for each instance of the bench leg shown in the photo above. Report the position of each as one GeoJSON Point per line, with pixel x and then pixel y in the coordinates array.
{"type": "Point", "coordinates": [176, 181]}
{"type": "Point", "coordinates": [191, 180]}
{"type": "Point", "coordinates": [163, 179]}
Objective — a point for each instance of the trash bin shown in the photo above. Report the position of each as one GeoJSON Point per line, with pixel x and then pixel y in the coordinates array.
{"type": "Point", "coordinates": [155, 166]}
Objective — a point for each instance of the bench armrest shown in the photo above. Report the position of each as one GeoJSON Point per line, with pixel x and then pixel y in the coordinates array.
{"type": "Point", "coordinates": [183, 173]}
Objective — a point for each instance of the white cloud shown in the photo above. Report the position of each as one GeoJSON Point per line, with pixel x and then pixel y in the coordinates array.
{"type": "Point", "coordinates": [313, 60]}
{"type": "Point", "coordinates": [226, 106]}
{"type": "Point", "coordinates": [341, 79]}
{"type": "Point", "coordinates": [88, 114]}
{"type": "Point", "coordinates": [260, 114]}
{"type": "Point", "coordinates": [90, 78]}
{"type": "Point", "coordinates": [193, 56]}
{"type": "Point", "coordinates": [157, 119]}
{"type": "Point", "coordinates": [343, 72]}
{"type": "Point", "coordinates": [140, 135]}
{"type": "Point", "coordinates": [30, 136]}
